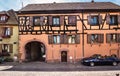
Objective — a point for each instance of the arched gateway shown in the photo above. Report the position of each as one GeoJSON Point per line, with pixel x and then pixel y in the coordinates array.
{"type": "Point", "coordinates": [35, 51]}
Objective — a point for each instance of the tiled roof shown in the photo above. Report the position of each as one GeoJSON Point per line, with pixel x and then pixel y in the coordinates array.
{"type": "Point", "coordinates": [70, 6]}
{"type": "Point", "coordinates": [12, 17]}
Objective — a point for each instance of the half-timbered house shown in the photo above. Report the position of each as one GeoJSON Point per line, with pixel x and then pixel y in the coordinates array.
{"type": "Point", "coordinates": [67, 32]}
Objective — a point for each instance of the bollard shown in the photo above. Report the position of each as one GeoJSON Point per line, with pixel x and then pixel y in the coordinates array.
{"type": "Point", "coordinates": [117, 74]}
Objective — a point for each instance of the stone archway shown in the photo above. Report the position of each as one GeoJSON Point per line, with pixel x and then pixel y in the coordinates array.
{"type": "Point", "coordinates": [35, 51]}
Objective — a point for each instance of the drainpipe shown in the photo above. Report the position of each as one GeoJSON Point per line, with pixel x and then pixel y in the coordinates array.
{"type": "Point", "coordinates": [82, 37]}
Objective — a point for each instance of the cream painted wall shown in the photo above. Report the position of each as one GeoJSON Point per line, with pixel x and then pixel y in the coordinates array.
{"type": "Point", "coordinates": [12, 39]}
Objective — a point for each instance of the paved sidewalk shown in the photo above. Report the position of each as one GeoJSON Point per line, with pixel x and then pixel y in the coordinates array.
{"type": "Point", "coordinates": [70, 73]}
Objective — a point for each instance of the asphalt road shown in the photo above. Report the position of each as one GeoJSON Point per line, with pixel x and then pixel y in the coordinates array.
{"type": "Point", "coordinates": [41, 66]}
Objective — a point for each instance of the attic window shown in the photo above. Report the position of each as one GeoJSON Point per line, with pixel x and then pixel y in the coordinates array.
{"type": "Point", "coordinates": [3, 18]}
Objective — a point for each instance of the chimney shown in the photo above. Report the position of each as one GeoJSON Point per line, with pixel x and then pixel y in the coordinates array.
{"type": "Point", "coordinates": [92, 1]}
{"type": "Point", "coordinates": [54, 2]}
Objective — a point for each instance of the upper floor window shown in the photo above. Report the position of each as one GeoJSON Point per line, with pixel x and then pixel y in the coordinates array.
{"type": "Point", "coordinates": [94, 19]}
{"type": "Point", "coordinates": [95, 38]}
{"type": "Point", "coordinates": [6, 32]}
{"type": "Point", "coordinates": [113, 38]}
{"type": "Point", "coordinates": [56, 39]}
{"type": "Point", "coordinates": [3, 18]}
{"type": "Point", "coordinates": [40, 20]}
{"type": "Point", "coordinates": [22, 20]}
{"type": "Point", "coordinates": [56, 21]}
{"type": "Point", "coordinates": [113, 20]}
{"type": "Point", "coordinates": [36, 21]}
{"type": "Point", "coordinates": [71, 20]}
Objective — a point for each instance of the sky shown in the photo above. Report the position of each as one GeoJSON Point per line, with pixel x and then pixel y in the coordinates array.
{"type": "Point", "coordinates": [17, 4]}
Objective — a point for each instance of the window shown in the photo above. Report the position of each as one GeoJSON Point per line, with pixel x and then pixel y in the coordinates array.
{"type": "Point", "coordinates": [6, 49]}
{"type": "Point", "coordinates": [64, 39]}
{"type": "Point", "coordinates": [93, 20]}
{"type": "Point", "coordinates": [39, 20]}
{"type": "Point", "coordinates": [71, 20]}
{"type": "Point", "coordinates": [36, 21]}
{"type": "Point", "coordinates": [71, 39]}
{"type": "Point", "coordinates": [21, 20]}
{"type": "Point", "coordinates": [113, 38]}
{"type": "Point", "coordinates": [95, 38]}
{"type": "Point", "coordinates": [56, 21]}
{"type": "Point", "coordinates": [3, 18]}
{"type": "Point", "coordinates": [56, 39]}
{"type": "Point", "coordinates": [6, 32]}
{"type": "Point", "coordinates": [113, 20]}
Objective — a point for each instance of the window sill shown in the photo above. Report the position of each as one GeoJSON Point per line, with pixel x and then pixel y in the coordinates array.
{"type": "Point", "coordinates": [6, 36]}
{"type": "Point", "coordinates": [55, 25]}
{"type": "Point", "coordinates": [113, 24]}
{"type": "Point", "coordinates": [94, 24]}
{"type": "Point", "coordinates": [71, 25]}
{"type": "Point", "coordinates": [65, 44]}
{"type": "Point", "coordinates": [99, 44]}
{"type": "Point", "coordinates": [112, 43]}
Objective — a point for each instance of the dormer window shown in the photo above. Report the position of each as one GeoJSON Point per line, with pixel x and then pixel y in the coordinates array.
{"type": "Point", "coordinates": [3, 18]}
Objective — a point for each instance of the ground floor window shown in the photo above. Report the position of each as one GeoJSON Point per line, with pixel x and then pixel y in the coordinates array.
{"type": "Point", "coordinates": [56, 39]}
{"type": "Point", "coordinates": [64, 39]}
{"type": "Point", "coordinates": [6, 49]}
{"type": "Point", "coordinates": [113, 38]}
{"type": "Point", "coordinates": [95, 38]}
{"type": "Point", "coordinates": [71, 39]}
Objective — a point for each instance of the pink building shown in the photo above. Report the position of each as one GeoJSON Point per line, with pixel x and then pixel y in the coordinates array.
{"type": "Point", "coordinates": [67, 32]}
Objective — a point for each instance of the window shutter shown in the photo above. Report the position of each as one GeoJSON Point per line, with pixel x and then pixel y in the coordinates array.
{"type": "Point", "coordinates": [100, 38]}
{"type": "Point", "coordinates": [61, 20]}
{"type": "Point", "coordinates": [108, 19]}
{"type": "Point", "coordinates": [31, 21]}
{"type": "Point", "coordinates": [89, 19]}
{"type": "Point", "coordinates": [72, 20]}
{"type": "Point", "coordinates": [89, 38]}
{"type": "Point", "coordinates": [118, 19]}
{"type": "Point", "coordinates": [1, 31]}
{"type": "Point", "coordinates": [11, 48]}
{"type": "Point", "coordinates": [0, 48]}
{"type": "Point", "coordinates": [50, 20]}
{"type": "Point", "coordinates": [11, 30]}
{"type": "Point", "coordinates": [100, 19]}
{"type": "Point", "coordinates": [41, 20]}
{"type": "Point", "coordinates": [118, 38]}
{"type": "Point", "coordinates": [77, 39]}
{"type": "Point", "coordinates": [50, 39]}
{"type": "Point", "coordinates": [66, 39]}
{"type": "Point", "coordinates": [66, 20]}
{"type": "Point", "coordinates": [108, 38]}
{"type": "Point", "coordinates": [62, 39]}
